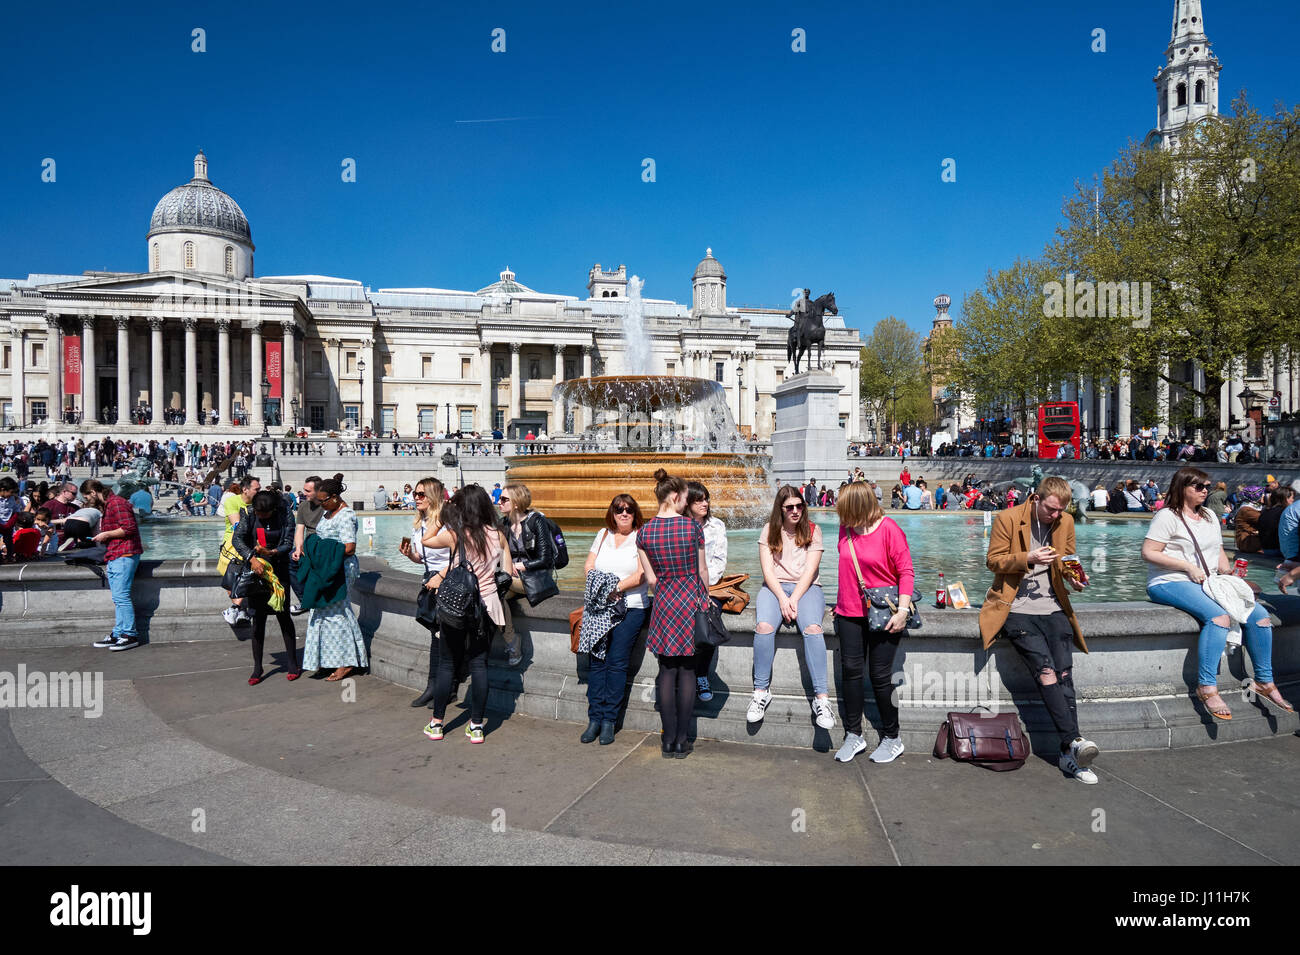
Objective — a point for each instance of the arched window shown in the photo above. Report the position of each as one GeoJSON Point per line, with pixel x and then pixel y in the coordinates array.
{"type": "Point", "coordinates": [1182, 94]}
{"type": "Point", "coordinates": [230, 261]}
{"type": "Point", "coordinates": [189, 255]}
{"type": "Point", "coordinates": [613, 294]}
{"type": "Point", "coordinates": [155, 258]}
{"type": "Point", "coordinates": [605, 294]}
{"type": "Point", "coordinates": [1200, 91]}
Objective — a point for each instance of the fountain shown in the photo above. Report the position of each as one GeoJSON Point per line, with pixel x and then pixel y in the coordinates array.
{"type": "Point", "coordinates": [635, 423]}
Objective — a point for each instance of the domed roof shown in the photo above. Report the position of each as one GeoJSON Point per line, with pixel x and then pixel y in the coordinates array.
{"type": "Point", "coordinates": [506, 285]}
{"type": "Point", "coordinates": [199, 206]}
{"type": "Point", "coordinates": [709, 267]}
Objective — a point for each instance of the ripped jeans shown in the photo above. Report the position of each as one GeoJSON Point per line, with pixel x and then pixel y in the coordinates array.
{"type": "Point", "coordinates": [812, 607]}
{"type": "Point", "coordinates": [1256, 632]}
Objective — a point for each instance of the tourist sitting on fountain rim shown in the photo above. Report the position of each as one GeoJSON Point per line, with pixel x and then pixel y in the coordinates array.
{"type": "Point", "coordinates": [715, 555]}
{"type": "Point", "coordinates": [531, 551]}
{"type": "Point", "coordinates": [790, 552]}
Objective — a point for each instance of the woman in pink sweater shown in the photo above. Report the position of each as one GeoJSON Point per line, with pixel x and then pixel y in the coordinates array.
{"type": "Point", "coordinates": [881, 550]}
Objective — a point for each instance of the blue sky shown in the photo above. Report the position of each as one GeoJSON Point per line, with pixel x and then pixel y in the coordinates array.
{"type": "Point", "coordinates": [819, 168]}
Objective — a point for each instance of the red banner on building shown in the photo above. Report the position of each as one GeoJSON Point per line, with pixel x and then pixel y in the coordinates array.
{"type": "Point", "coordinates": [72, 364]}
{"type": "Point", "coordinates": [274, 370]}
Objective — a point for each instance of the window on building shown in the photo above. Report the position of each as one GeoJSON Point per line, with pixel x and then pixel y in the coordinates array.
{"type": "Point", "coordinates": [388, 418]}
{"type": "Point", "coordinates": [156, 258]}
{"type": "Point", "coordinates": [38, 411]}
{"type": "Point", "coordinates": [570, 368]}
{"type": "Point", "coordinates": [230, 261]}
{"type": "Point", "coordinates": [534, 368]}
{"type": "Point", "coordinates": [1255, 367]}
{"type": "Point", "coordinates": [352, 416]}
{"type": "Point", "coordinates": [605, 294]}
{"type": "Point", "coordinates": [672, 368]}
{"type": "Point", "coordinates": [844, 421]}
{"type": "Point", "coordinates": [614, 294]}
{"type": "Point", "coordinates": [719, 370]}
{"type": "Point", "coordinates": [38, 355]}
{"type": "Point", "coordinates": [466, 414]}
{"type": "Point", "coordinates": [498, 368]}
{"type": "Point", "coordinates": [426, 366]}
{"type": "Point", "coordinates": [4, 357]}
{"type": "Point", "coordinates": [1200, 91]}
{"type": "Point", "coordinates": [189, 255]}
{"type": "Point", "coordinates": [465, 368]}
{"type": "Point", "coordinates": [317, 362]}
{"type": "Point", "coordinates": [499, 420]}
{"type": "Point", "coordinates": [1182, 94]}
{"type": "Point", "coordinates": [7, 414]}
{"type": "Point", "coordinates": [428, 419]}
{"type": "Point", "coordinates": [316, 417]}
{"type": "Point", "coordinates": [350, 362]}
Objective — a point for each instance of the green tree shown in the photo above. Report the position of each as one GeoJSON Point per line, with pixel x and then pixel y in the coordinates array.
{"type": "Point", "coordinates": [893, 377]}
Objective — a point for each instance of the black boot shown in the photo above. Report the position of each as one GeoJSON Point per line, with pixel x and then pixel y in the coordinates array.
{"type": "Point", "coordinates": [591, 732]}
{"type": "Point", "coordinates": [606, 732]}
{"type": "Point", "coordinates": [425, 698]}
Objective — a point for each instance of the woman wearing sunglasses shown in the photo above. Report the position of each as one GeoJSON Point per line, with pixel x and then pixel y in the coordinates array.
{"type": "Point", "coordinates": [1182, 548]}
{"type": "Point", "coordinates": [428, 496]}
{"type": "Point", "coordinates": [790, 552]}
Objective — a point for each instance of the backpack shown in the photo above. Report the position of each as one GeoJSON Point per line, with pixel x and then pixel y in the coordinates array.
{"type": "Point", "coordinates": [459, 602]}
{"type": "Point", "coordinates": [561, 553]}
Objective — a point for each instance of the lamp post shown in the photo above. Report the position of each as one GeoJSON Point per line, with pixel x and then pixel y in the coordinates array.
{"type": "Point", "coordinates": [293, 408]}
{"type": "Point", "coordinates": [740, 394]}
{"type": "Point", "coordinates": [361, 373]}
{"type": "Point", "coordinates": [1251, 399]}
{"type": "Point", "coordinates": [266, 395]}
{"type": "Point", "coordinates": [449, 419]}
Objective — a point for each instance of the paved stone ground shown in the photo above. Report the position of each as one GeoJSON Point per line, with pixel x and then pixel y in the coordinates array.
{"type": "Point", "coordinates": [290, 772]}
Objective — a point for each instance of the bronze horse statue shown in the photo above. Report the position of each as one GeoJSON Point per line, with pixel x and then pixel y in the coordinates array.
{"type": "Point", "coordinates": [808, 330]}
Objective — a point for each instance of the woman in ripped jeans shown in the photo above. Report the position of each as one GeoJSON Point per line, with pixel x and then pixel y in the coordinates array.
{"type": "Point", "coordinates": [790, 553]}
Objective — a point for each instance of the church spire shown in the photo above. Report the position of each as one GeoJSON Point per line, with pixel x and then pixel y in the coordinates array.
{"type": "Point", "coordinates": [1187, 86]}
{"type": "Point", "coordinates": [1189, 25]}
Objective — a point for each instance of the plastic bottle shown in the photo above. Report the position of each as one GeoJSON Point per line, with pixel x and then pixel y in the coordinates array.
{"type": "Point", "coordinates": [941, 595]}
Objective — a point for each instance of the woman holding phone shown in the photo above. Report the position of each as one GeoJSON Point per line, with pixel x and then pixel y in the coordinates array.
{"type": "Point", "coordinates": [428, 497]}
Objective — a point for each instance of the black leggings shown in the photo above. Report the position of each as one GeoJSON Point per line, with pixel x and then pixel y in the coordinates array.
{"type": "Point", "coordinates": [260, 611]}
{"type": "Point", "coordinates": [454, 656]}
{"type": "Point", "coordinates": [877, 649]}
{"type": "Point", "coordinates": [676, 686]}
{"type": "Point", "coordinates": [1046, 642]}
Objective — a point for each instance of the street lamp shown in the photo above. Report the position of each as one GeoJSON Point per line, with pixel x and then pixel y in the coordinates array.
{"type": "Point", "coordinates": [1250, 398]}
{"type": "Point", "coordinates": [266, 395]}
{"type": "Point", "coordinates": [740, 394]}
{"type": "Point", "coordinates": [449, 419]}
{"type": "Point", "coordinates": [293, 408]}
{"type": "Point", "coordinates": [361, 372]}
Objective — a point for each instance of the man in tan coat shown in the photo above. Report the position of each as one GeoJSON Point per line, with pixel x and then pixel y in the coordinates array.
{"type": "Point", "coordinates": [1029, 604]}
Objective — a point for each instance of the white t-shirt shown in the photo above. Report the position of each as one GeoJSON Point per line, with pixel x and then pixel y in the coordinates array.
{"type": "Point", "coordinates": [435, 559]}
{"type": "Point", "coordinates": [1100, 498]}
{"type": "Point", "coordinates": [621, 561]}
{"type": "Point", "coordinates": [1167, 529]}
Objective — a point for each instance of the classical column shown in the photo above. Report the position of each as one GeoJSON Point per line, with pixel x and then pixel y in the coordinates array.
{"type": "Point", "coordinates": [557, 404]}
{"type": "Point", "coordinates": [1124, 406]}
{"type": "Point", "coordinates": [54, 349]}
{"type": "Point", "coordinates": [1198, 403]}
{"type": "Point", "coordinates": [1103, 408]}
{"type": "Point", "coordinates": [855, 390]}
{"type": "Point", "coordinates": [368, 390]}
{"type": "Point", "coordinates": [18, 361]}
{"type": "Point", "coordinates": [288, 372]}
{"type": "Point", "coordinates": [255, 419]}
{"type": "Point", "coordinates": [1162, 397]}
{"type": "Point", "coordinates": [1236, 385]}
{"type": "Point", "coordinates": [191, 371]}
{"type": "Point", "coordinates": [1089, 422]}
{"type": "Point", "coordinates": [485, 386]}
{"type": "Point", "coordinates": [223, 370]}
{"type": "Point", "coordinates": [516, 386]}
{"type": "Point", "coordinates": [124, 402]}
{"type": "Point", "coordinates": [89, 375]}
{"type": "Point", "coordinates": [175, 372]}
{"type": "Point", "coordinates": [583, 417]}
{"type": "Point", "coordinates": [156, 367]}
{"type": "Point", "coordinates": [1282, 379]}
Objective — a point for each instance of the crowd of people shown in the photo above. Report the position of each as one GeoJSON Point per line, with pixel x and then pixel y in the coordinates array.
{"type": "Point", "coordinates": [1229, 449]}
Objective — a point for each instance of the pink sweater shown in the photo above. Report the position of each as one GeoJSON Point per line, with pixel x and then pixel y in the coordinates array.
{"type": "Point", "coordinates": [885, 562]}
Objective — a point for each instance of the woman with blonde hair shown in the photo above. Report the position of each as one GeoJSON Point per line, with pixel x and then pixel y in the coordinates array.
{"type": "Point", "coordinates": [790, 552]}
{"type": "Point", "coordinates": [531, 552]}
{"type": "Point", "coordinates": [428, 495]}
{"type": "Point", "coordinates": [875, 547]}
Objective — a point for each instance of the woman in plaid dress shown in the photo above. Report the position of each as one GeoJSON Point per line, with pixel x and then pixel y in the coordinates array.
{"type": "Point", "coordinates": [672, 547]}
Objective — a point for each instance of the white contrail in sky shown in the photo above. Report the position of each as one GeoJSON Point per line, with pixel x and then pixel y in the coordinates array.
{"type": "Point", "coordinates": [501, 119]}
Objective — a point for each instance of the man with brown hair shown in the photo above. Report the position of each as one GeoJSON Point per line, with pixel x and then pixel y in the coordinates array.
{"type": "Point", "coordinates": [1028, 603]}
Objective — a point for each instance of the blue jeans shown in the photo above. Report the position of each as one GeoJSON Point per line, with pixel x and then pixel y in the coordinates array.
{"type": "Point", "coordinates": [1257, 631]}
{"type": "Point", "coordinates": [607, 678]}
{"type": "Point", "coordinates": [121, 575]}
{"type": "Point", "coordinates": [812, 608]}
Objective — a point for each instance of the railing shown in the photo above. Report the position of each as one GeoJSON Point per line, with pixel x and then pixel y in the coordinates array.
{"type": "Point", "coordinates": [490, 447]}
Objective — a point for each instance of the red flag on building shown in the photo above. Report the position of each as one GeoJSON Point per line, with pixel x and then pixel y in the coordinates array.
{"type": "Point", "coordinates": [72, 364]}
{"type": "Point", "coordinates": [274, 370]}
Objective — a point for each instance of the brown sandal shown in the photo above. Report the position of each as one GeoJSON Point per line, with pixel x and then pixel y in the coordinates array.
{"type": "Point", "coordinates": [339, 674]}
{"type": "Point", "coordinates": [1221, 712]}
{"type": "Point", "coordinates": [1264, 693]}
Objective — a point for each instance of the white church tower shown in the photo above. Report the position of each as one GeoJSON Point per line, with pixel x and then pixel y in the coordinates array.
{"type": "Point", "coordinates": [1187, 86]}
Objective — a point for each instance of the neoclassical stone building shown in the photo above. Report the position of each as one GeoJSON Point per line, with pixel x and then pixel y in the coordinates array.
{"type": "Point", "coordinates": [198, 333]}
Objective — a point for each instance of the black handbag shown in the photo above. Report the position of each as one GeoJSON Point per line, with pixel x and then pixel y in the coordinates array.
{"type": "Point", "coordinates": [538, 586]}
{"type": "Point", "coordinates": [426, 605]}
{"type": "Point", "coordinates": [881, 603]}
{"type": "Point", "coordinates": [250, 586]}
{"type": "Point", "coordinates": [503, 581]}
{"type": "Point", "coordinates": [709, 628]}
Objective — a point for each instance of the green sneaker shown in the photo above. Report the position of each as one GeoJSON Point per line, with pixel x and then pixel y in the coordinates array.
{"type": "Point", "coordinates": [474, 733]}
{"type": "Point", "coordinates": [434, 730]}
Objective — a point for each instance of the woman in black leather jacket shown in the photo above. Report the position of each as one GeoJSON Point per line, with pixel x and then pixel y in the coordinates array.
{"type": "Point", "coordinates": [531, 547]}
{"type": "Point", "coordinates": [264, 538]}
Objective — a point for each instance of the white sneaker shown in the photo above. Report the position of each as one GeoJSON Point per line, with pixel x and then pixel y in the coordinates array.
{"type": "Point", "coordinates": [822, 712]}
{"type": "Point", "coordinates": [702, 689]}
{"type": "Point", "coordinates": [296, 611]}
{"type": "Point", "coordinates": [230, 615]}
{"type": "Point", "coordinates": [890, 749]}
{"type": "Point", "coordinates": [243, 617]}
{"type": "Point", "coordinates": [1072, 768]}
{"type": "Point", "coordinates": [1084, 752]}
{"type": "Point", "coordinates": [853, 744]}
{"type": "Point", "coordinates": [758, 706]}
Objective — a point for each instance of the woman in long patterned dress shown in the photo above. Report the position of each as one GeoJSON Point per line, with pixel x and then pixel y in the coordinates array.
{"type": "Point", "coordinates": [333, 634]}
{"type": "Point", "coordinates": [672, 547]}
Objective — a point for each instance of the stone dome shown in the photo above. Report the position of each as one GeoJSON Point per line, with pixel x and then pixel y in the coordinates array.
{"type": "Point", "coordinates": [200, 207]}
{"type": "Point", "coordinates": [709, 267]}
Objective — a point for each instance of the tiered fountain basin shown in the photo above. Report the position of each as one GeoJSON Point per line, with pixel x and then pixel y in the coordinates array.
{"type": "Point", "coordinates": [635, 424]}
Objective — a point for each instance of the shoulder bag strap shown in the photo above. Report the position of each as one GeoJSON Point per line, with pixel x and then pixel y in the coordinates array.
{"type": "Point", "coordinates": [1195, 543]}
{"type": "Point", "coordinates": [853, 552]}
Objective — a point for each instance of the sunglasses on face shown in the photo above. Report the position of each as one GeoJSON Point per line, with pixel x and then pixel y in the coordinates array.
{"type": "Point", "coordinates": [420, 494]}
{"type": "Point", "coordinates": [623, 510]}
{"type": "Point", "coordinates": [792, 507]}
{"type": "Point", "coordinates": [1201, 486]}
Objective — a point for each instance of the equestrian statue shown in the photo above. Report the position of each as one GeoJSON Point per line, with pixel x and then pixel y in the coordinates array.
{"type": "Point", "coordinates": [808, 329]}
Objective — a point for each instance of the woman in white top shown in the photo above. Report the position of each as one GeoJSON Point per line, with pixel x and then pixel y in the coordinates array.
{"type": "Point", "coordinates": [715, 555]}
{"type": "Point", "coordinates": [428, 495]}
{"type": "Point", "coordinates": [614, 551]}
{"type": "Point", "coordinates": [1175, 572]}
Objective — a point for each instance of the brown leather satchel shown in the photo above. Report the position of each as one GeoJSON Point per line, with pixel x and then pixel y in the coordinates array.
{"type": "Point", "coordinates": [996, 742]}
{"type": "Point", "coordinates": [575, 629]}
{"type": "Point", "coordinates": [728, 590]}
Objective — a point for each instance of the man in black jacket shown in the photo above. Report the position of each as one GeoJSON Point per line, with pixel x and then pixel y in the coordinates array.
{"type": "Point", "coordinates": [264, 538]}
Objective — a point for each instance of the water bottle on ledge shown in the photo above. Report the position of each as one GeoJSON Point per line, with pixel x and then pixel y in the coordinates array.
{"type": "Point", "coordinates": [941, 594]}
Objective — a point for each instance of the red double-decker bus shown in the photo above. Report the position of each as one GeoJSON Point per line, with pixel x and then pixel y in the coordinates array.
{"type": "Point", "coordinates": [1058, 424]}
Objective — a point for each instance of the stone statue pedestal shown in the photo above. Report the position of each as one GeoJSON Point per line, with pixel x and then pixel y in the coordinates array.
{"type": "Point", "coordinates": [808, 441]}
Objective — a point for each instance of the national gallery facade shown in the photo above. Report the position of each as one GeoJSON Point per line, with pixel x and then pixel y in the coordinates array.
{"type": "Point", "coordinates": [197, 340]}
